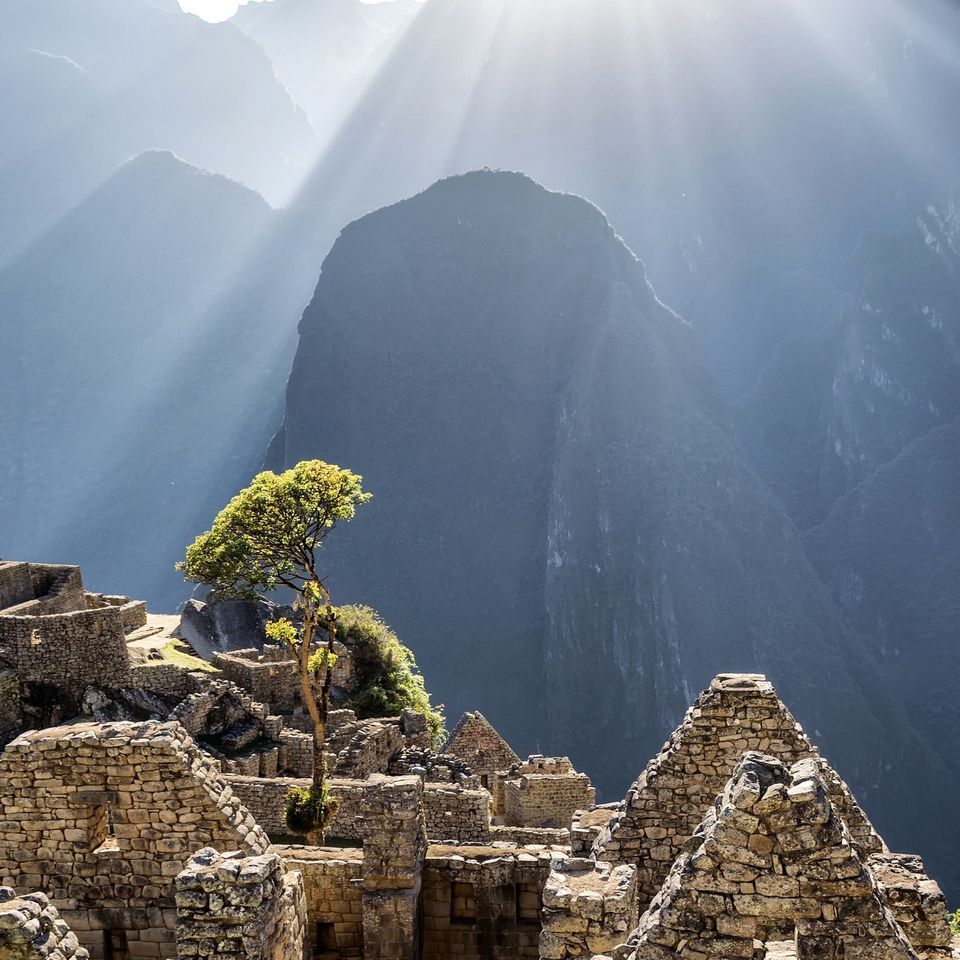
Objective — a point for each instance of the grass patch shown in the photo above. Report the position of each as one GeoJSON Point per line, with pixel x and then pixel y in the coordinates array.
{"type": "Point", "coordinates": [175, 652]}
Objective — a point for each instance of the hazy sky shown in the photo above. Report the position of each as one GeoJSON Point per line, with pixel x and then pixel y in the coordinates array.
{"type": "Point", "coordinates": [215, 10]}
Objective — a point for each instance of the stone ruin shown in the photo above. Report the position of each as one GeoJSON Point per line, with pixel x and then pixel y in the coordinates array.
{"type": "Point", "coordinates": [163, 835]}
{"type": "Point", "coordinates": [54, 638]}
{"type": "Point", "coordinates": [737, 713]}
{"type": "Point", "coordinates": [541, 792]}
{"type": "Point", "coordinates": [475, 741]}
{"type": "Point", "coordinates": [239, 907]}
{"type": "Point", "coordinates": [772, 861]}
{"type": "Point", "coordinates": [31, 929]}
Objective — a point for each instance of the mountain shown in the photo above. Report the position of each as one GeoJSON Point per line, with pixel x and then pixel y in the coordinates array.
{"type": "Point", "coordinates": [890, 551]}
{"type": "Point", "coordinates": [90, 84]}
{"type": "Point", "coordinates": [324, 51]}
{"type": "Point", "coordinates": [832, 408]}
{"type": "Point", "coordinates": [563, 525]}
{"type": "Point", "coordinates": [143, 364]}
{"type": "Point", "coordinates": [744, 147]}
{"type": "Point", "coordinates": [856, 431]}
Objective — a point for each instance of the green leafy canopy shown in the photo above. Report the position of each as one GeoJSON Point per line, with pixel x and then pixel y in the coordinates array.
{"type": "Point", "coordinates": [266, 536]}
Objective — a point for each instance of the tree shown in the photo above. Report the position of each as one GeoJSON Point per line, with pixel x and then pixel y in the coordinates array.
{"type": "Point", "coordinates": [266, 538]}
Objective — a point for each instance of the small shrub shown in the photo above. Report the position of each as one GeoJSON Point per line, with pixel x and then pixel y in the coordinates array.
{"type": "Point", "coordinates": [308, 810]}
{"type": "Point", "coordinates": [387, 675]}
{"type": "Point", "coordinates": [954, 920]}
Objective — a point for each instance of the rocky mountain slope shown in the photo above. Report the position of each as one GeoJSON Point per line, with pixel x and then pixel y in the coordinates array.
{"type": "Point", "coordinates": [127, 391]}
{"type": "Point", "coordinates": [563, 525]}
{"type": "Point", "coordinates": [890, 551]}
{"type": "Point", "coordinates": [856, 432]}
{"type": "Point", "coordinates": [830, 409]}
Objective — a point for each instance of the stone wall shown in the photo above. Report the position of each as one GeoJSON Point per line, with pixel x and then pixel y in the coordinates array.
{"type": "Point", "coordinates": [391, 825]}
{"type": "Point", "coordinates": [737, 713]}
{"type": "Point", "coordinates": [33, 589]}
{"type": "Point", "coordinates": [586, 827]}
{"type": "Point", "coordinates": [451, 813]}
{"type": "Point", "coordinates": [16, 584]}
{"type": "Point", "coordinates": [69, 649]}
{"type": "Point", "coordinates": [102, 817]}
{"type": "Point", "coordinates": [271, 680]}
{"type": "Point", "coordinates": [133, 613]}
{"type": "Point", "coordinates": [542, 792]}
{"type": "Point", "coordinates": [369, 750]}
{"type": "Point", "coordinates": [296, 753]}
{"type": "Point", "coordinates": [270, 675]}
{"type": "Point", "coordinates": [334, 896]}
{"type": "Point", "coordinates": [916, 901]}
{"type": "Point", "coordinates": [239, 908]}
{"type": "Point", "coordinates": [476, 742]}
{"type": "Point", "coordinates": [31, 929]}
{"type": "Point", "coordinates": [772, 861]}
{"type": "Point", "coordinates": [589, 907]}
{"type": "Point", "coordinates": [454, 813]}
{"type": "Point", "coordinates": [433, 766]}
{"type": "Point", "coordinates": [531, 836]}
{"type": "Point", "coordinates": [10, 714]}
{"type": "Point", "coordinates": [482, 903]}
{"type": "Point", "coordinates": [167, 679]}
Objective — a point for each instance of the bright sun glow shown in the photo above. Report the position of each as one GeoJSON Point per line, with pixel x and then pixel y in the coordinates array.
{"type": "Point", "coordinates": [215, 11]}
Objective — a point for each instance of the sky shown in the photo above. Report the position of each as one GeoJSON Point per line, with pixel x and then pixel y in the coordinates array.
{"type": "Point", "coordinates": [217, 10]}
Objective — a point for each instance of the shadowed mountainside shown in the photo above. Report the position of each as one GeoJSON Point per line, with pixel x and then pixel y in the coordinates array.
{"type": "Point", "coordinates": [563, 525]}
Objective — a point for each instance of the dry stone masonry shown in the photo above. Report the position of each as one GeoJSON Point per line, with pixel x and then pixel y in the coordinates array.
{"type": "Point", "coordinates": [102, 818]}
{"type": "Point", "coordinates": [394, 846]}
{"type": "Point", "coordinates": [772, 861]}
{"type": "Point", "coordinates": [737, 841]}
{"type": "Point", "coordinates": [239, 908]}
{"type": "Point", "coordinates": [542, 792]}
{"type": "Point", "coordinates": [916, 901]}
{"type": "Point", "coordinates": [737, 713]}
{"type": "Point", "coordinates": [475, 741]}
{"type": "Point", "coordinates": [32, 929]}
{"type": "Point", "coordinates": [588, 908]}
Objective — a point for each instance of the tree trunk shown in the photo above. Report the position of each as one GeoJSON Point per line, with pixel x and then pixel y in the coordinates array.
{"type": "Point", "coordinates": [314, 837]}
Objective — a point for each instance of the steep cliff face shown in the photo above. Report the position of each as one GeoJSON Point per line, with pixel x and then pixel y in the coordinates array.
{"type": "Point", "coordinates": [323, 52]}
{"type": "Point", "coordinates": [890, 551]}
{"type": "Point", "coordinates": [563, 526]}
{"type": "Point", "coordinates": [830, 409]}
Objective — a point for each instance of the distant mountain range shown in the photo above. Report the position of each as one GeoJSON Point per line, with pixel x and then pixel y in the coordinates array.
{"type": "Point", "coordinates": [140, 374]}
{"type": "Point", "coordinates": [100, 81]}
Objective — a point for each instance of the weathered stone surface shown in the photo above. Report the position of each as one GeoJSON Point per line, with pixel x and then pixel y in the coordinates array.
{"type": "Point", "coordinates": [803, 887]}
{"type": "Point", "coordinates": [738, 712]}
{"type": "Point", "coordinates": [31, 929]}
{"type": "Point", "coordinates": [240, 907]}
{"type": "Point", "coordinates": [476, 742]}
{"type": "Point", "coordinates": [541, 792]}
{"type": "Point", "coordinates": [588, 906]}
